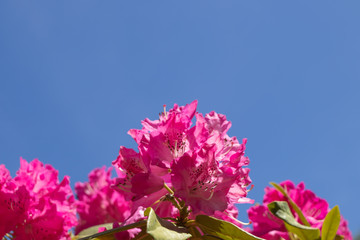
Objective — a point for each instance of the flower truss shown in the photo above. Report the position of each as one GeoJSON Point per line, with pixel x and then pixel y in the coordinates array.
{"type": "Point", "coordinates": [201, 165]}
{"type": "Point", "coordinates": [313, 208]}
{"type": "Point", "coordinates": [34, 204]}
{"type": "Point", "coordinates": [99, 203]}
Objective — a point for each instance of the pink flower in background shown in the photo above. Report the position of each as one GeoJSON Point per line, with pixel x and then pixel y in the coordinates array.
{"type": "Point", "coordinates": [36, 204]}
{"type": "Point", "coordinates": [98, 202]}
{"type": "Point", "coordinates": [14, 205]}
{"type": "Point", "coordinates": [315, 209]}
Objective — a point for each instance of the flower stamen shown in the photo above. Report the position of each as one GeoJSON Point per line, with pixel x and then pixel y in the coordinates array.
{"type": "Point", "coordinates": [232, 145]}
{"type": "Point", "coordinates": [242, 223]}
{"type": "Point", "coordinates": [122, 188]}
{"type": "Point", "coordinates": [175, 149]}
{"type": "Point", "coordinates": [211, 195]}
{"type": "Point", "coordinates": [165, 113]}
{"type": "Point", "coordinates": [251, 187]}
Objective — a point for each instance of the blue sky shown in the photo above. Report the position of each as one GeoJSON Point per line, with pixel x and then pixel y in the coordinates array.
{"type": "Point", "coordinates": [75, 76]}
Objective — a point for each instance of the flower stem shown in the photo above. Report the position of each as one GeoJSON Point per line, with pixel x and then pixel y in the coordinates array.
{"type": "Point", "coordinates": [175, 203]}
{"type": "Point", "coordinates": [168, 189]}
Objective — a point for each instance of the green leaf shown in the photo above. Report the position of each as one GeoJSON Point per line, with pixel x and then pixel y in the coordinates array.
{"type": "Point", "coordinates": [281, 210]}
{"type": "Point", "coordinates": [147, 211]}
{"type": "Point", "coordinates": [109, 233]}
{"type": "Point", "coordinates": [292, 203]}
{"type": "Point", "coordinates": [161, 229]}
{"type": "Point", "coordinates": [211, 237]}
{"type": "Point", "coordinates": [221, 229]}
{"type": "Point", "coordinates": [331, 224]}
{"type": "Point", "coordinates": [194, 232]}
{"type": "Point", "coordinates": [94, 229]}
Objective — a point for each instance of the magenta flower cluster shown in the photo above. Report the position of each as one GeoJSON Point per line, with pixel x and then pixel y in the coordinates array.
{"type": "Point", "coordinates": [34, 204]}
{"type": "Point", "coordinates": [98, 203]}
{"type": "Point", "coordinates": [201, 163]}
{"type": "Point", "coordinates": [315, 209]}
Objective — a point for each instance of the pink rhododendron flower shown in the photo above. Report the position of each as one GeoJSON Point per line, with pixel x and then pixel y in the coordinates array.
{"type": "Point", "coordinates": [168, 138]}
{"type": "Point", "coordinates": [135, 174]}
{"type": "Point", "coordinates": [201, 163]}
{"type": "Point", "coordinates": [315, 209]}
{"type": "Point", "coordinates": [200, 183]}
{"type": "Point", "coordinates": [136, 182]}
{"type": "Point", "coordinates": [98, 202]}
{"type": "Point", "coordinates": [35, 203]}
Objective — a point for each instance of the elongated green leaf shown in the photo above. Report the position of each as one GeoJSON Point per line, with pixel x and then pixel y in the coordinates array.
{"type": "Point", "coordinates": [194, 231]}
{"type": "Point", "coordinates": [331, 224]}
{"type": "Point", "coordinates": [210, 237]}
{"type": "Point", "coordinates": [292, 203]}
{"type": "Point", "coordinates": [161, 229]}
{"type": "Point", "coordinates": [111, 232]}
{"type": "Point", "coordinates": [281, 210]}
{"type": "Point", "coordinates": [94, 229]}
{"type": "Point", "coordinates": [218, 229]}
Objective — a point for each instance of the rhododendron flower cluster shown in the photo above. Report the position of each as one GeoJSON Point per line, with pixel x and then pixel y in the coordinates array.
{"type": "Point", "coordinates": [98, 203]}
{"type": "Point", "coordinates": [34, 204]}
{"type": "Point", "coordinates": [315, 209]}
{"type": "Point", "coordinates": [201, 164]}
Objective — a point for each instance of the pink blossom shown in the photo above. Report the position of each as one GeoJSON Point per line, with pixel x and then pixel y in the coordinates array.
{"type": "Point", "coordinates": [98, 202]}
{"type": "Point", "coordinates": [36, 204]}
{"type": "Point", "coordinates": [136, 175]}
{"type": "Point", "coordinates": [14, 205]}
{"type": "Point", "coordinates": [198, 180]}
{"type": "Point", "coordinates": [205, 184]}
{"type": "Point", "coordinates": [167, 138]}
{"type": "Point", "coordinates": [136, 182]}
{"type": "Point", "coordinates": [230, 154]}
{"type": "Point", "coordinates": [212, 176]}
{"type": "Point", "coordinates": [315, 209]}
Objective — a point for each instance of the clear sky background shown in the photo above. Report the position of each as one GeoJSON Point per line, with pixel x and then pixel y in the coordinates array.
{"type": "Point", "coordinates": [75, 76]}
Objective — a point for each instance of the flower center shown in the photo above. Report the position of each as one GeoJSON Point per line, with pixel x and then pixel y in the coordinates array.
{"type": "Point", "coordinates": [175, 143]}
{"type": "Point", "coordinates": [205, 180]}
